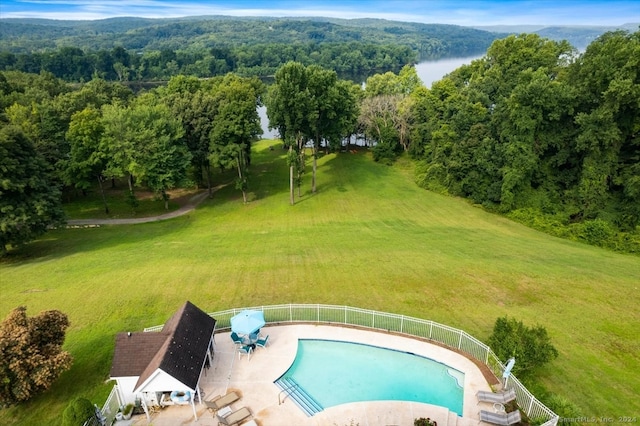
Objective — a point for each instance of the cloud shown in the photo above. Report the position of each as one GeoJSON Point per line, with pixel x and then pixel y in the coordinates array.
{"type": "Point", "coordinates": [480, 12]}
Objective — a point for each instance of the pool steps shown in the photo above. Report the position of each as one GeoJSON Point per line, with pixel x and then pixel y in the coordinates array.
{"type": "Point", "coordinates": [302, 399]}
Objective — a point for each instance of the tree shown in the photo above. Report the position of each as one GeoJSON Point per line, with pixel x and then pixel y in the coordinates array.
{"type": "Point", "coordinates": [309, 104]}
{"type": "Point", "coordinates": [31, 354]}
{"type": "Point", "coordinates": [236, 125]}
{"type": "Point", "coordinates": [161, 157]}
{"type": "Point", "coordinates": [379, 117]}
{"type": "Point", "coordinates": [531, 346]}
{"type": "Point", "coordinates": [196, 108]}
{"type": "Point", "coordinates": [29, 202]}
{"type": "Point", "coordinates": [87, 161]}
{"type": "Point", "coordinates": [289, 106]}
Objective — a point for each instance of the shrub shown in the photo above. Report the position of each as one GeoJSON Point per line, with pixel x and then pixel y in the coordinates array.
{"type": "Point", "coordinates": [77, 412]}
{"type": "Point", "coordinates": [424, 422]}
{"type": "Point", "coordinates": [531, 346]}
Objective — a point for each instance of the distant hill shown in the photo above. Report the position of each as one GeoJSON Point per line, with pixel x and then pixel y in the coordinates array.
{"type": "Point", "coordinates": [32, 35]}
{"type": "Point", "coordinates": [579, 36]}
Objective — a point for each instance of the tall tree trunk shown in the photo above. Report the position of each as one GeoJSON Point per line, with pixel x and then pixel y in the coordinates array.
{"type": "Point", "coordinates": [165, 197]}
{"type": "Point", "coordinates": [315, 167]}
{"type": "Point", "coordinates": [104, 198]}
{"type": "Point", "coordinates": [291, 167]}
{"type": "Point", "coordinates": [244, 192]}
{"type": "Point", "coordinates": [130, 181]}
{"type": "Point", "coordinates": [207, 171]}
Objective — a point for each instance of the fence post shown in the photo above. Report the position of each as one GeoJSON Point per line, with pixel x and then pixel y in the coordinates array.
{"type": "Point", "coordinates": [460, 340]}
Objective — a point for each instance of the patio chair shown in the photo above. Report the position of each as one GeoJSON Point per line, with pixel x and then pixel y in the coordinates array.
{"type": "Point", "coordinates": [236, 339]}
{"type": "Point", "coordinates": [501, 398]}
{"type": "Point", "coordinates": [235, 417]}
{"type": "Point", "coordinates": [502, 419]}
{"type": "Point", "coordinates": [262, 342]}
{"type": "Point", "coordinates": [246, 350]}
{"type": "Point", "coordinates": [219, 402]}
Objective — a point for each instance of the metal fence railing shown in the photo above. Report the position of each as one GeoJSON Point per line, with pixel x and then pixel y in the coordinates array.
{"type": "Point", "coordinates": [413, 327]}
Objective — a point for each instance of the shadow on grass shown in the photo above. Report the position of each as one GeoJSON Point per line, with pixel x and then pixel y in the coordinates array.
{"type": "Point", "coordinates": [269, 177]}
{"type": "Point", "coordinates": [59, 243]}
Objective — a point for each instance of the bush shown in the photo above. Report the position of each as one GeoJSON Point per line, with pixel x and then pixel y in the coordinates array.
{"type": "Point", "coordinates": [77, 412]}
{"type": "Point", "coordinates": [424, 422]}
{"type": "Point", "coordinates": [531, 346]}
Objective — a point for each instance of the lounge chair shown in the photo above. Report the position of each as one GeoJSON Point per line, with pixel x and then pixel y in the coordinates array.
{"type": "Point", "coordinates": [500, 398]}
{"type": "Point", "coordinates": [502, 419]}
{"type": "Point", "coordinates": [219, 402]}
{"type": "Point", "coordinates": [235, 417]}
{"type": "Point", "coordinates": [246, 350]}
{"type": "Point", "coordinates": [236, 339]}
{"type": "Point", "coordinates": [262, 342]}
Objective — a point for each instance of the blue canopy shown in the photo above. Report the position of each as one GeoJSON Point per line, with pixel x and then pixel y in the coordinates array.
{"type": "Point", "coordinates": [247, 321]}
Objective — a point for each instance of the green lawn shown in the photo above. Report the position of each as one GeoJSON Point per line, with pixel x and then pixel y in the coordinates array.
{"type": "Point", "coordinates": [369, 238]}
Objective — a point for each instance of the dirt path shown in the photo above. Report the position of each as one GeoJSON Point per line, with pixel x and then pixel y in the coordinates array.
{"type": "Point", "coordinates": [189, 206]}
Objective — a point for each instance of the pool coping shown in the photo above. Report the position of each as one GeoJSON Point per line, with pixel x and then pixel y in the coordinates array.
{"type": "Point", "coordinates": [254, 379]}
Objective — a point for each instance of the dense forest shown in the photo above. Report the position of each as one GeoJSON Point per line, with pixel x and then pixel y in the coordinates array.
{"type": "Point", "coordinates": [533, 130]}
{"type": "Point", "coordinates": [136, 49]}
{"type": "Point", "coordinates": [203, 33]}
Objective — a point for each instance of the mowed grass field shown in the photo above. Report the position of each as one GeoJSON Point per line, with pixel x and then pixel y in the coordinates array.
{"type": "Point", "coordinates": [369, 238]}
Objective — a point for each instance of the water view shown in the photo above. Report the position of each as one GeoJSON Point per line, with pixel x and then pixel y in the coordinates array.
{"type": "Point", "coordinates": [428, 71]}
{"type": "Point", "coordinates": [432, 71]}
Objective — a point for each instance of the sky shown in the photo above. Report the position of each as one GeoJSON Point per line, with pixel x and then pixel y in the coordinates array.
{"type": "Point", "coordinates": [455, 12]}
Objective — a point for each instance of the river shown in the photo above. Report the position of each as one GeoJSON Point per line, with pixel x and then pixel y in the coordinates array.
{"type": "Point", "coordinates": [428, 72]}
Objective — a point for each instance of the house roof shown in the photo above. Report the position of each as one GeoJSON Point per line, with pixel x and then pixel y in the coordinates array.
{"type": "Point", "coordinates": [179, 349]}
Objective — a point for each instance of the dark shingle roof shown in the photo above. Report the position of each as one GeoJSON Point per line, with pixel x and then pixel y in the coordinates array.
{"type": "Point", "coordinates": [179, 349]}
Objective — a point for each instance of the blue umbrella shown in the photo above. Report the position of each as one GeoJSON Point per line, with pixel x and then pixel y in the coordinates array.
{"type": "Point", "coordinates": [247, 322]}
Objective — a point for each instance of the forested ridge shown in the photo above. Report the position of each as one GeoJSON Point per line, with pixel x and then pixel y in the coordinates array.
{"type": "Point", "coordinates": [195, 33]}
{"type": "Point", "coordinates": [533, 130]}
{"type": "Point", "coordinates": [136, 49]}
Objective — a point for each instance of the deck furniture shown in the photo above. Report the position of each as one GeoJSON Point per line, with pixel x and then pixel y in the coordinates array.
{"type": "Point", "coordinates": [500, 397]}
{"type": "Point", "coordinates": [262, 342]}
{"type": "Point", "coordinates": [245, 350]}
{"type": "Point", "coordinates": [219, 401]}
{"type": "Point", "coordinates": [235, 417]}
{"type": "Point", "coordinates": [501, 419]}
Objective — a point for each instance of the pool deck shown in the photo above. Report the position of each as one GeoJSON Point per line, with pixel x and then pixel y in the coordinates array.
{"type": "Point", "coordinates": [254, 380]}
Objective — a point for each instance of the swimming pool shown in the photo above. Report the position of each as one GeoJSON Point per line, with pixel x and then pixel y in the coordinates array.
{"type": "Point", "coordinates": [334, 372]}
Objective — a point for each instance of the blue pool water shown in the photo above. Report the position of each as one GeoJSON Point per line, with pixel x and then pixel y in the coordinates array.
{"type": "Point", "coordinates": [334, 373]}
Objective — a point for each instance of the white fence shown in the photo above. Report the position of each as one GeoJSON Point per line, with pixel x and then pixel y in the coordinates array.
{"type": "Point", "coordinates": [537, 412]}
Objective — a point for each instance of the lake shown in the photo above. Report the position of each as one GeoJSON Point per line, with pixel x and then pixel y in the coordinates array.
{"type": "Point", "coordinates": [428, 71]}
{"type": "Point", "coordinates": [431, 71]}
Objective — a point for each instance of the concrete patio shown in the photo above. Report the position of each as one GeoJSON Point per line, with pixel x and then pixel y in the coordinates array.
{"type": "Point", "coordinates": [254, 380]}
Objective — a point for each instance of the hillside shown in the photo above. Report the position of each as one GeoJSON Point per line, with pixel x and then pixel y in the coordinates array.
{"type": "Point", "coordinates": [579, 36]}
{"type": "Point", "coordinates": [369, 238]}
{"type": "Point", "coordinates": [27, 35]}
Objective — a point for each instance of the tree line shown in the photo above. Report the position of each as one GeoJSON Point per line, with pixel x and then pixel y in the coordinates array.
{"type": "Point", "coordinates": [56, 138]}
{"type": "Point", "coordinates": [352, 60]}
{"type": "Point", "coordinates": [532, 130]}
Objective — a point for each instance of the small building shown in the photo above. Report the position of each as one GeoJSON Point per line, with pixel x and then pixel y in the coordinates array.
{"type": "Point", "coordinates": [165, 367]}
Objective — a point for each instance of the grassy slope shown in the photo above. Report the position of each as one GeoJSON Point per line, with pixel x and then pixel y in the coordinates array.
{"type": "Point", "coordinates": [369, 238]}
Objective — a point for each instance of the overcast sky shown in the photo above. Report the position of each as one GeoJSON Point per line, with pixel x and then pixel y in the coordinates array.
{"type": "Point", "coordinates": [467, 13]}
